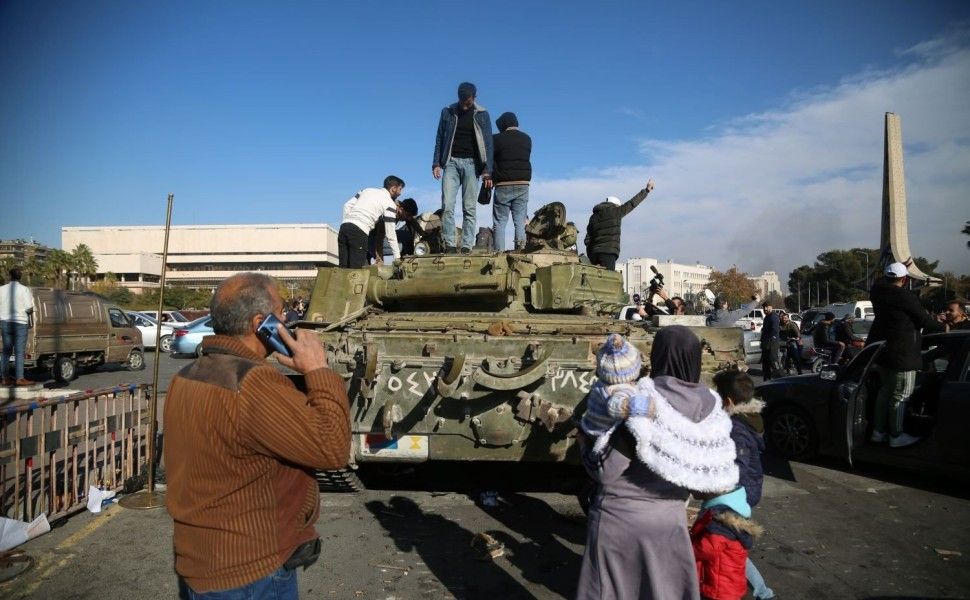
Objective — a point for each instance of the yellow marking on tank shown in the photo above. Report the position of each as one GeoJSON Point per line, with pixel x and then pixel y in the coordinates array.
{"type": "Point", "coordinates": [415, 442]}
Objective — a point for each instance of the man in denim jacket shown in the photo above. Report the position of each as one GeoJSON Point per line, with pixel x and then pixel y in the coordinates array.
{"type": "Point", "coordinates": [462, 154]}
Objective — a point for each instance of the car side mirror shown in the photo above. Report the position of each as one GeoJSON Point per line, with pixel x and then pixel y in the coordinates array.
{"type": "Point", "coordinates": [829, 372]}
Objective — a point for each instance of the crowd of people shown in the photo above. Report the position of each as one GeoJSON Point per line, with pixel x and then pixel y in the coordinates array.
{"type": "Point", "coordinates": [242, 442]}
{"type": "Point", "coordinates": [481, 168]}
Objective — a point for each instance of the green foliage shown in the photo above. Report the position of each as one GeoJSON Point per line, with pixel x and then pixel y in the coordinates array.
{"type": "Point", "coordinates": [177, 297]}
{"type": "Point", "coordinates": [839, 276]}
{"type": "Point", "coordinates": [732, 285]}
{"type": "Point", "coordinates": [966, 230]}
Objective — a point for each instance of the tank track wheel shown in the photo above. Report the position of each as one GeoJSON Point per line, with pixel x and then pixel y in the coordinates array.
{"type": "Point", "coordinates": [340, 481]}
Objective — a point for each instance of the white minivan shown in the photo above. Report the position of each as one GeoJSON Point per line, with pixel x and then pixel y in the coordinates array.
{"type": "Point", "coordinates": [861, 309]}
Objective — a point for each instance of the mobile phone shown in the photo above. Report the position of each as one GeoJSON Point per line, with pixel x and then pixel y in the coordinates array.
{"type": "Point", "coordinates": [271, 337]}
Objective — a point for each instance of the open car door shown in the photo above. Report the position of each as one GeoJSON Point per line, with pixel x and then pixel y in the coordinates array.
{"type": "Point", "coordinates": [854, 392]}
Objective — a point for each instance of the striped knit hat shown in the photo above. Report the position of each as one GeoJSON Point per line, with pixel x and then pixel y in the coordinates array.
{"type": "Point", "coordinates": [618, 361]}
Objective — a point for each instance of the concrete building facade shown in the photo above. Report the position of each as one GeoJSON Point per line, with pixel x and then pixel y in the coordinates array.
{"type": "Point", "coordinates": [680, 279]}
{"type": "Point", "coordinates": [200, 256]}
{"type": "Point", "coordinates": [23, 251]}
{"type": "Point", "coordinates": [768, 282]}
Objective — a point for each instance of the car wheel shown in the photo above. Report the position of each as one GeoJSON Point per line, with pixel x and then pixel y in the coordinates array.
{"type": "Point", "coordinates": [165, 345]}
{"type": "Point", "coordinates": [791, 433]}
{"type": "Point", "coordinates": [136, 361]}
{"type": "Point", "coordinates": [198, 351]}
{"type": "Point", "coordinates": [65, 369]}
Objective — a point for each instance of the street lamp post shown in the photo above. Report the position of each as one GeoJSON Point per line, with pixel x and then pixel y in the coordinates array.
{"type": "Point", "coordinates": [867, 265]}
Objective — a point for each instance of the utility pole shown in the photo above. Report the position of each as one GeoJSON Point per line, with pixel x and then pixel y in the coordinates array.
{"type": "Point", "coordinates": [827, 299]}
{"type": "Point", "coordinates": [799, 287]}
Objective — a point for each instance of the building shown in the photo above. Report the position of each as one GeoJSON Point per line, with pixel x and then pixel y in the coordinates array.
{"type": "Point", "coordinates": [200, 256]}
{"type": "Point", "coordinates": [767, 283]}
{"type": "Point", "coordinates": [23, 251]}
{"type": "Point", "coordinates": [679, 279]}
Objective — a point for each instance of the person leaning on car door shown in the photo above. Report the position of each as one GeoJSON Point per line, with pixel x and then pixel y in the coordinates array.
{"type": "Point", "coordinates": [899, 321]}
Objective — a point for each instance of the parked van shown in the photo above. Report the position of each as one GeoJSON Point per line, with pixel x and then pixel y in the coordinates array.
{"type": "Point", "coordinates": [861, 309]}
{"type": "Point", "coordinates": [74, 329]}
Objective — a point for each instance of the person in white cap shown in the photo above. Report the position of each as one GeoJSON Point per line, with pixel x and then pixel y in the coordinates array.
{"type": "Point", "coordinates": [899, 321]}
{"type": "Point", "coordinates": [603, 230]}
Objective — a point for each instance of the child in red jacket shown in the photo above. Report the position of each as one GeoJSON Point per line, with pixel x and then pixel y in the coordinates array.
{"type": "Point", "coordinates": [721, 536]}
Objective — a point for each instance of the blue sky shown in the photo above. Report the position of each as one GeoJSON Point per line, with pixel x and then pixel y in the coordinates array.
{"type": "Point", "coordinates": [761, 122]}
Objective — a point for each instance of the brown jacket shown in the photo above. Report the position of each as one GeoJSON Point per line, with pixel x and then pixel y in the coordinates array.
{"type": "Point", "coordinates": [241, 444]}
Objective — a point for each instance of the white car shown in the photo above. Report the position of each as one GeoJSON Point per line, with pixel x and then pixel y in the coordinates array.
{"type": "Point", "coordinates": [169, 317]}
{"type": "Point", "coordinates": [147, 326]}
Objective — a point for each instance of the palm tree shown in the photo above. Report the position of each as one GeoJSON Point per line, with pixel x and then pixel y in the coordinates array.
{"type": "Point", "coordinates": [84, 263]}
{"type": "Point", "coordinates": [59, 263]}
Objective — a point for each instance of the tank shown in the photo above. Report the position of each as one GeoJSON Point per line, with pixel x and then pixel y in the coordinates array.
{"type": "Point", "coordinates": [486, 356]}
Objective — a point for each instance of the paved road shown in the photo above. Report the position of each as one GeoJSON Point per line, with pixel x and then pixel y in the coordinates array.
{"type": "Point", "coordinates": [830, 533]}
{"type": "Point", "coordinates": [112, 375]}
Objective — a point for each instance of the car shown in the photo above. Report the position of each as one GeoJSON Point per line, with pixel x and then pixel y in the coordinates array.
{"type": "Point", "coordinates": [830, 413]}
{"type": "Point", "coordinates": [148, 327]}
{"type": "Point", "coordinates": [188, 339]}
{"type": "Point", "coordinates": [169, 317]}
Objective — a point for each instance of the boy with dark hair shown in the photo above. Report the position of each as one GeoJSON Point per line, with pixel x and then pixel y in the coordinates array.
{"type": "Point", "coordinates": [747, 428]}
{"type": "Point", "coordinates": [365, 211]}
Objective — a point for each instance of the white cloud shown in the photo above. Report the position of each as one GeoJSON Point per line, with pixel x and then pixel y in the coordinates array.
{"type": "Point", "coordinates": [771, 191]}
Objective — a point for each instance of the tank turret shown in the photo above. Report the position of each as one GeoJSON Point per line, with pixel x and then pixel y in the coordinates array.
{"type": "Point", "coordinates": [480, 356]}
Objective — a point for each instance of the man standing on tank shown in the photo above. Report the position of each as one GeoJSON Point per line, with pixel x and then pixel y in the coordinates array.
{"type": "Point", "coordinates": [603, 230]}
{"type": "Point", "coordinates": [462, 154]}
{"type": "Point", "coordinates": [513, 171]}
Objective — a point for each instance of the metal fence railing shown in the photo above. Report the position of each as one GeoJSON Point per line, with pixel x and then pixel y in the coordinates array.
{"type": "Point", "coordinates": [53, 449]}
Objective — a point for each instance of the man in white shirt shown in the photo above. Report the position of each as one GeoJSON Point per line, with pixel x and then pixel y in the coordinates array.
{"type": "Point", "coordinates": [365, 211]}
{"type": "Point", "coordinates": [16, 303]}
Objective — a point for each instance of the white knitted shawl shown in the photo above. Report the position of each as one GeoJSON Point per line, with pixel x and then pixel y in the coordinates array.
{"type": "Point", "coordinates": [697, 456]}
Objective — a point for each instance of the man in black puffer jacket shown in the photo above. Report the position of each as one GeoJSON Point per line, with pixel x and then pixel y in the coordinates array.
{"type": "Point", "coordinates": [899, 319]}
{"type": "Point", "coordinates": [512, 174]}
{"type": "Point", "coordinates": [603, 230]}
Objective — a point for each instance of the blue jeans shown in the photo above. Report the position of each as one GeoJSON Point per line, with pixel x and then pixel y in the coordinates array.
{"type": "Point", "coordinates": [758, 587]}
{"type": "Point", "coordinates": [514, 199]}
{"type": "Point", "coordinates": [459, 172]}
{"type": "Point", "coordinates": [14, 343]}
{"type": "Point", "coordinates": [280, 585]}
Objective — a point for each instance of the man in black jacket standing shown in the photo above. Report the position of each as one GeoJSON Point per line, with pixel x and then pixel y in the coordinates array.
{"type": "Point", "coordinates": [899, 320]}
{"type": "Point", "coordinates": [770, 330]}
{"type": "Point", "coordinates": [603, 230]}
{"type": "Point", "coordinates": [511, 177]}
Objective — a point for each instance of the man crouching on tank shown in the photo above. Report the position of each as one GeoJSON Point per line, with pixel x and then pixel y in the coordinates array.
{"type": "Point", "coordinates": [241, 446]}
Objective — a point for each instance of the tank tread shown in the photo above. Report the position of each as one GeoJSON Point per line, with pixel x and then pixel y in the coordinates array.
{"type": "Point", "coordinates": [340, 481]}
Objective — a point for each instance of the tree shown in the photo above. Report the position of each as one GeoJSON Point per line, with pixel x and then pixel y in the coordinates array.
{"type": "Point", "coordinates": [84, 263]}
{"type": "Point", "coordinates": [775, 299]}
{"type": "Point", "coordinates": [733, 286]}
{"type": "Point", "coordinates": [56, 267]}
{"type": "Point", "coordinates": [966, 230]}
{"type": "Point", "coordinates": [109, 288]}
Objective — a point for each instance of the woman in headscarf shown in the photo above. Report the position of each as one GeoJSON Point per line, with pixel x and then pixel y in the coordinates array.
{"type": "Point", "coordinates": [675, 439]}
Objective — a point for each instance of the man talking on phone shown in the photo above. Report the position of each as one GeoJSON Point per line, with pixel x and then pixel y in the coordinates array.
{"type": "Point", "coordinates": [242, 443]}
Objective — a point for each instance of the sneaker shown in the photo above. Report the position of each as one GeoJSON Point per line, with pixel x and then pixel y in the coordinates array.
{"type": "Point", "coordinates": [902, 440]}
{"type": "Point", "coordinates": [466, 250]}
{"type": "Point", "coordinates": [879, 437]}
{"type": "Point", "coordinates": [23, 382]}
{"type": "Point", "coordinates": [451, 250]}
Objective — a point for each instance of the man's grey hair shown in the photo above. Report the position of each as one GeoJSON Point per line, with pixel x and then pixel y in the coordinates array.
{"type": "Point", "coordinates": [238, 299]}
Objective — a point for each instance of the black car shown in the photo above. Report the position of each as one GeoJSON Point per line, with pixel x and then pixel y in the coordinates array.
{"type": "Point", "coordinates": [831, 412]}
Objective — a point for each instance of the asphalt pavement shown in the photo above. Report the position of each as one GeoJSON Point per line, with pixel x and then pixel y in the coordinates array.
{"type": "Point", "coordinates": [831, 532]}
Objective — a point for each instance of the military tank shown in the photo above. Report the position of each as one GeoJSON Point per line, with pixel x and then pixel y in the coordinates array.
{"type": "Point", "coordinates": [486, 356]}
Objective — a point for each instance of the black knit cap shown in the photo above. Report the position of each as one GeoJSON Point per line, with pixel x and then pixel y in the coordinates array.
{"type": "Point", "coordinates": [506, 120]}
{"type": "Point", "coordinates": [410, 206]}
{"type": "Point", "coordinates": [467, 90]}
